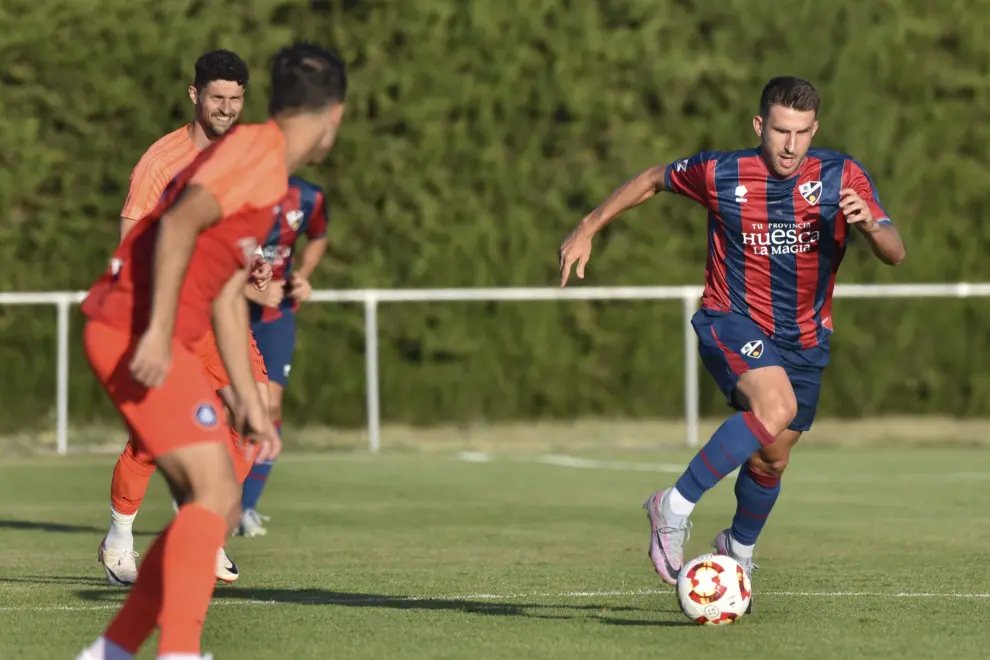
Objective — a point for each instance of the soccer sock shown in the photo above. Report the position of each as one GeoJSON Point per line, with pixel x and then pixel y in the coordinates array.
{"type": "Point", "coordinates": [120, 536]}
{"type": "Point", "coordinates": [138, 617]}
{"type": "Point", "coordinates": [255, 483]}
{"type": "Point", "coordinates": [188, 566]}
{"type": "Point", "coordinates": [730, 446]}
{"type": "Point", "coordinates": [131, 476]}
{"type": "Point", "coordinates": [756, 493]}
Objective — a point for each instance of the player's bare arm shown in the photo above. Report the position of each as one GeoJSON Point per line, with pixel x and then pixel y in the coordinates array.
{"type": "Point", "coordinates": [177, 233]}
{"type": "Point", "coordinates": [577, 246]}
{"type": "Point", "coordinates": [230, 322]}
{"type": "Point", "coordinates": [311, 256]}
{"type": "Point", "coordinates": [884, 238]}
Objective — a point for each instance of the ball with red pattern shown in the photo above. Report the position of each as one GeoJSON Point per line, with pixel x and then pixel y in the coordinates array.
{"type": "Point", "coordinates": [713, 590]}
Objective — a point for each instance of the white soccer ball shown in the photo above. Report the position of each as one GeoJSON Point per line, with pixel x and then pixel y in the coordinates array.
{"type": "Point", "coordinates": [713, 590]}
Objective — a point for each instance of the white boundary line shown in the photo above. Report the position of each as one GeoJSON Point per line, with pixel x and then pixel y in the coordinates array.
{"type": "Point", "coordinates": [343, 599]}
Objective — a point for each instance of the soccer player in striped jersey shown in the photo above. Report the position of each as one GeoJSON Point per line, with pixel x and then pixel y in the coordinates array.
{"type": "Point", "coordinates": [778, 222]}
{"type": "Point", "coordinates": [273, 315]}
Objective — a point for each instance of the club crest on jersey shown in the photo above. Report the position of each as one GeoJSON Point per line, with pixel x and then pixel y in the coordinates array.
{"type": "Point", "coordinates": [206, 415]}
{"type": "Point", "coordinates": [753, 349]}
{"type": "Point", "coordinates": [811, 191]}
{"type": "Point", "coordinates": [294, 218]}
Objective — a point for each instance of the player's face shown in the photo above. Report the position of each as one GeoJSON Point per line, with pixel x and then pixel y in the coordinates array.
{"type": "Point", "coordinates": [218, 106]}
{"type": "Point", "coordinates": [786, 137]}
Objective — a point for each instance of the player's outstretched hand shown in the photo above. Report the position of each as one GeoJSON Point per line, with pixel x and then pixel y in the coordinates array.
{"type": "Point", "coordinates": [857, 211]}
{"type": "Point", "coordinates": [261, 273]}
{"type": "Point", "coordinates": [152, 358]}
{"type": "Point", "coordinates": [576, 248]}
{"type": "Point", "coordinates": [300, 289]}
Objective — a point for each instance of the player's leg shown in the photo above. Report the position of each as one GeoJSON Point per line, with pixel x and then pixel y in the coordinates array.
{"type": "Point", "coordinates": [276, 342]}
{"type": "Point", "coordinates": [128, 486]}
{"type": "Point", "coordinates": [209, 355]}
{"type": "Point", "coordinates": [741, 358]}
{"type": "Point", "coordinates": [759, 481]}
{"type": "Point", "coordinates": [179, 423]}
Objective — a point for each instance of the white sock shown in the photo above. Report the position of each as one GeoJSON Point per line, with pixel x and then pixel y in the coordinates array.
{"type": "Point", "coordinates": [740, 550]}
{"type": "Point", "coordinates": [107, 650]}
{"type": "Point", "coordinates": [120, 535]}
{"type": "Point", "coordinates": [679, 505]}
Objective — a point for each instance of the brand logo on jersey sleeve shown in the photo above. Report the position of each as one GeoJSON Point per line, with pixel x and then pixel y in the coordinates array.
{"type": "Point", "coordinates": [753, 349]}
{"type": "Point", "coordinates": [811, 191]}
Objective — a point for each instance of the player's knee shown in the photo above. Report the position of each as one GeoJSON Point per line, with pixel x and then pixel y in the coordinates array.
{"type": "Point", "coordinates": [769, 465]}
{"type": "Point", "coordinates": [275, 410]}
{"type": "Point", "coordinates": [776, 409]}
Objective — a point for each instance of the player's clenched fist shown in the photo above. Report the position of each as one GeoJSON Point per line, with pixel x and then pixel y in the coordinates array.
{"type": "Point", "coordinates": [576, 248]}
{"type": "Point", "coordinates": [273, 294]}
{"type": "Point", "coordinates": [857, 211]}
{"type": "Point", "coordinates": [301, 289]}
{"type": "Point", "coordinates": [261, 273]}
{"type": "Point", "coordinates": [152, 358]}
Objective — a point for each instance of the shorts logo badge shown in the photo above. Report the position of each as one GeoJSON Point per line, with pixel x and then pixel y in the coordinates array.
{"type": "Point", "coordinates": [206, 415]}
{"type": "Point", "coordinates": [753, 349]}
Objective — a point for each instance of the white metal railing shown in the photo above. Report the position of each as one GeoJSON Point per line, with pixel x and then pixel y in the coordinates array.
{"type": "Point", "coordinates": [370, 298]}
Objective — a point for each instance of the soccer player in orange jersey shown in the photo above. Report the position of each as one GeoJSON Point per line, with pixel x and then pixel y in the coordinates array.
{"type": "Point", "coordinates": [217, 93]}
{"type": "Point", "coordinates": [186, 261]}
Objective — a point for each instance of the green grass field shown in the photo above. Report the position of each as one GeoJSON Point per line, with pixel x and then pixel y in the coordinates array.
{"type": "Point", "coordinates": [873, 553]}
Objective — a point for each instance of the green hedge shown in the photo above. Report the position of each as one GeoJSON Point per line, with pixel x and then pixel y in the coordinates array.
{"type": "Point", "coordinates": [476, 135]}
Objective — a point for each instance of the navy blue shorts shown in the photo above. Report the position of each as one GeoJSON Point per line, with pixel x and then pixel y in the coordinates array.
{"type": "Point", "coordinates": [731, 344]}
{"type": "Point", "coordinates": [277, 341]}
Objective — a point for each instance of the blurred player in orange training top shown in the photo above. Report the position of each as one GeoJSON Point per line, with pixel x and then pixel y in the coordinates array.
{"type": "Point", "coordinates": [217, 93]}
{"type": "Point", "coordinates": [186, 261]}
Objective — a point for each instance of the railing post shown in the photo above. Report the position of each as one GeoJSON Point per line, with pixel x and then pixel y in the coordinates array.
{"type": "Point", "coordinates": [371, 371]}
{"type": "Point", "coordinates": [62, 377]}
{"type": "Point", "coordinates": [691, 394]}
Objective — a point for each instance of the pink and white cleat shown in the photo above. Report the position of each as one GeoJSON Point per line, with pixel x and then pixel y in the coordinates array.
{"type": "Point", "coordinates": [668, 534]}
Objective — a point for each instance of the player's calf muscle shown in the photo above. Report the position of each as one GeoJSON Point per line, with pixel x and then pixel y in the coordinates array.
{"type": "Point", "coordinates": [770, 397]}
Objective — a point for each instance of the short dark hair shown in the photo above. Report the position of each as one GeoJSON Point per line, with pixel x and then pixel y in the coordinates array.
{"type": "Point", "coordinates": [220, 65]}
{"type": "Point", "coordinates": [306, 77]}
{"type": "Point", "coordinates": [789, 92]}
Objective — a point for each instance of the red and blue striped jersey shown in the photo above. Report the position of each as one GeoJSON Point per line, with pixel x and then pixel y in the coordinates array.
{"type": "Point", "coordinates": [774, 245]}
{"type": "Point", "coordinates": [304, 211]}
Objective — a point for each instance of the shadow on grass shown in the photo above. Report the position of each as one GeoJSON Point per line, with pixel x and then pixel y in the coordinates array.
{"type": "Point", "coordinates": [596, 611]}
{"type": "Point", "coordinates": [60, 528]}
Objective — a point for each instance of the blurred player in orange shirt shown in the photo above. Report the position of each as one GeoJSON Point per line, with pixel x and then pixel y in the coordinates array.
{"type": "Point", "coordinates": [185, 262]}
{"type": "Point", "coordinates": [217, 93]}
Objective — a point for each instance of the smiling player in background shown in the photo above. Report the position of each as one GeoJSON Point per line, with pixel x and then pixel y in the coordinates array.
{"type": "Point", "coordinates": [217, 93]}
{"type": "Point", "coordinates": [180, 267]}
